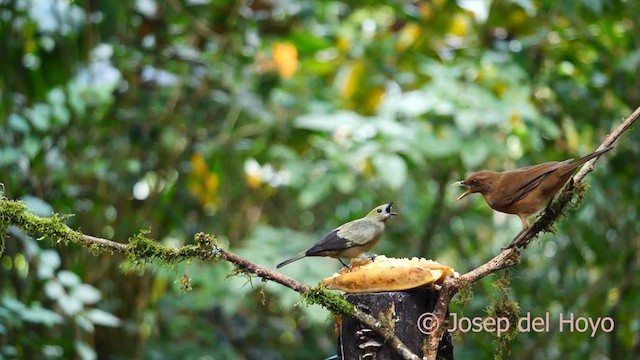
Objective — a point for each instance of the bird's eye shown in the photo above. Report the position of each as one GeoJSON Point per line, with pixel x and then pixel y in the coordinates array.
{"type": "Point", "coordinates": [379, 210]}
{"type": "Point", "coordinates": [474, 181]}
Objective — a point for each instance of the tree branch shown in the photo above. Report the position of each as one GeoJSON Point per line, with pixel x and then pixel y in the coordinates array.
{"type": "Point", "coordinates": [511, 256]}
{"type": "Point", "coordinates": [140, 249]}
{"type": "Point", "coordinates": [608, 141]}
{"type": "Point", "coordinates": [88, 239]}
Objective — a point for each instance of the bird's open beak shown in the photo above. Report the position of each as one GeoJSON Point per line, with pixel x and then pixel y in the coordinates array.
{"type": "Point", "coordinates": [388, 209]}
{"type": "Point", "coordinates": [469, 191]}
{"type": "Point", "coordinates": [461, 183]}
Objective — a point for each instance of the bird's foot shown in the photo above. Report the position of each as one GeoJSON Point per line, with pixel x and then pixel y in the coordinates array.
{"type": "Point", "coordinates": [372, 257]}
{"type": "Point", "coordinates": [363, 260]}
{"type": "Point", "coordinates": [548, 209]}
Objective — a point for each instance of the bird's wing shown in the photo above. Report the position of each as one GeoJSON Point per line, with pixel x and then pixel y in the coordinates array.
{"type": "Point", "coordinates": [361, 231]}
{"type": "Point", "coordinates": [351, 234]}
{"type": "Point", "coordinates": [331, 242]}
{"type": "Point", "coordinates": [536, 174]}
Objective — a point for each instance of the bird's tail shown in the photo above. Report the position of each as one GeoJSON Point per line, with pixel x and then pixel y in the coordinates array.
{"type": "Point", "coordinates": [290, 260]}
{"type": "Point", "coordinates": [576, 164]}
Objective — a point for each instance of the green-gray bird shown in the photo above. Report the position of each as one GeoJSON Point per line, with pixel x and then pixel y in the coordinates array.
{"type": "Point", "coordinates": [352, 239]}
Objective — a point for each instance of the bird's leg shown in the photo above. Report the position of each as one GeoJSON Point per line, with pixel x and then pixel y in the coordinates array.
{"type": "Point", "coordinates": [512, 243]}
{"type": "Point", "coordinates": [525, 227]}
{"type": "Point", "coordinates": [345, 265]}
{"type": "Point", "coordinates": [525, 223]}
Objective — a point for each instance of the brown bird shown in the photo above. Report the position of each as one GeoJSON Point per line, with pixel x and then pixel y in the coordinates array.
{"type": "Point", "coordinates": [523, 191]}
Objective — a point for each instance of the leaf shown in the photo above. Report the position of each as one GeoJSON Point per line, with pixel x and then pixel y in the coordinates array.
{"type": "Point", "coordinates": [69, 305]}
{"type": "Point", "coordinates": [86, 293]}
{"type": "Point", "coordinates": [345, 182]}
{"type": "Point", "coordinates": [52, 351]}
{"type": "Point", "coordinates": [101, 317]}
{"type": "Point", "coordinates": [313, 193]}
{"type": "Point", "coordinates": [410, 104]}
{"type": "Point", "coordinates": [391, 168]}
{"type": "Point", "coordinates": [18, 123]}
{"type": "Point", "coordinates": [85, 323]}
{"type": "Point", "coordinates": [631, 61]}
{"type": "Point", "coordinates": [549, 127]}
{"type": "Point", "coordinates": [437, 146]}
{"type": "Point", "coordinates": [40, 115]}
{"type": "Point", "coordinates": [39, 315]}
{"type": "Point", "coordinates": [68, 278]}
{"type": "Point", "coordinates": [329, 122]}
{"type": "Point", "coordinates": [307, 42]}
{"type": "Point", "coordinates": [61, 113]}
{"type": "Point", "coordinates": [594, 5]}
{"type": "Point", "coordinates": [84, 351]}
{"type": "Point", "coordinates": [8, 156]}
{"type": "Point", "coordinates": [31, 146]}
{"type": "Point", "coordinates": [34, 314]}
{"type": "Point", "coordinates": [49, 262]}
{"type": "Point", "coordinates": [12, 304]}
{"type": "Point", "coordinates": [54, 290]}
{"type": "Point", "coordinates": [474, 153]}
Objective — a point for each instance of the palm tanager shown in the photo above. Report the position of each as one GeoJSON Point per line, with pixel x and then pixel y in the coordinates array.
{"type": "Point", "coordinates": [350, 240]}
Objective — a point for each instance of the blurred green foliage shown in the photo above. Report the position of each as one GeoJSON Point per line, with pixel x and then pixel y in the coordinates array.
{"type": "Point", "coordinates": [268, 123]}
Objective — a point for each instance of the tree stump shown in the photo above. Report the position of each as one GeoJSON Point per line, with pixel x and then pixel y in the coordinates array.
{"type": "Point", "coordinates": [404, 309]}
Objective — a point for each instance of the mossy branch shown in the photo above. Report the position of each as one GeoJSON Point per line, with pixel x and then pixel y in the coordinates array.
{"type": "Point", "coordinates": [140, 250]}
{"type": "Point", "coordinates": [572, 194]}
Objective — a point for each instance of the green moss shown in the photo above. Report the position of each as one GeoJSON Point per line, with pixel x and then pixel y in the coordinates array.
{"type": "Point", "coordinates": [572, 195]}
{"type": "Point", "coordinates": [185, 282]}
{"type": "Point", "coordinates": [387, 319]}
{"type": "Point", "coordinates": [207, 247]}
{"type": "Point", "coordinates": [463, 298]}
{"type": "Point", "coordinates": [97, 249]}
{"type": "Point", "coordinates": [52, 228]}
{"type": "Point", "coordinates": [142, 250]}
{"type": "Point", "coordinates": [503, 307]}
{"type": "Point", "coordinates": [465, 294]}
{"type": "Point", "coordinates": [238, 271]}
{"type": "Point", "coordinates": [3, 234]}
{"type": "Point", "coordinates": [335, 303]}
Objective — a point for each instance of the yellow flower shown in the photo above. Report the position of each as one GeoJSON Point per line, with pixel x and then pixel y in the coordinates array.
{"type": "Point", "coordinates": [285, 56]}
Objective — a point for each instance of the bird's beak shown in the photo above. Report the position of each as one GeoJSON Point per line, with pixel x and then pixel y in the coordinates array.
{"type": "Point", "coordinates": [461, 183]}
{"type": "Point", "coordinates": [388, 210]}
{"type": "Point", "coordinates": [469, 191]}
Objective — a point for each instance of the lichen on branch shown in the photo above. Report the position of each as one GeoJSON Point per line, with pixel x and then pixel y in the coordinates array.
{"type": "Point", "coordinates": [13, 212]}
{"type": "Point", "coordinates": [337, 304]}
{"type": "Point", "coordinates": [142, 250]}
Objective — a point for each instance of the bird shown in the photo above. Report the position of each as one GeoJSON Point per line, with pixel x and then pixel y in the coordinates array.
{"type": "Point", "coordinates": [523, 191]}
{"type": "Point", "coordinates": [352, 239]}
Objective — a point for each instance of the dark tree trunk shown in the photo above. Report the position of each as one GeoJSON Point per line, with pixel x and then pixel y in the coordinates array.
{"type": "Point", "coordinates": [404, 309]}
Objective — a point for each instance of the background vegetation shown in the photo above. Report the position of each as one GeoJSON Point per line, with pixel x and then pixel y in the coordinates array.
{"type": "Point", "coordinates": [268, 123]}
